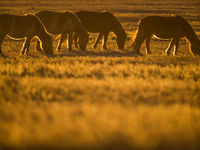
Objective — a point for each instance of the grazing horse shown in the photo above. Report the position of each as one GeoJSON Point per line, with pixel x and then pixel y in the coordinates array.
{"type": "Point", "coordinates": [103, 23]}
{"type": "Point", "coordinates": [27, 27]}
{"type": "Point", "coordinates": [64, 23]}
{"type": "Point", "coordinates": [166, 27]}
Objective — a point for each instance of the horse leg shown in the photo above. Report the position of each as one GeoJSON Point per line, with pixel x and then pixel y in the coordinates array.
{"type": "Point", "coordinates": [148, 39]}
{"type": "Point", "coordinates": [62, 38]}
{"type": "Point", "coordinates": [1, 40]}
{"type": "Point", "coordinates": [70, 40]}
{"type": "Point", "coordinates": [176, 47]}
{"type": "Point", "coordinates": [99, 37]}
{"type": "Point", "coordinates": [167, 51]}
{"type": "Point", "coordinates": [38, 48]}
{"type": "Point", "coordinates": [137, 44]}
{"type": "Point", "coordinates": [105, 40]}
{"type": "Point", "coordinates": [139, 39]}
{"type": "Point", "coordinates": [26, 46]}
{"type": "Point", "coordinates": [76, 40]}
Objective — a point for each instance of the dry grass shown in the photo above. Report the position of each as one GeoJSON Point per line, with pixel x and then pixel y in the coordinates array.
{"type": "Point", "coordinates": [101, 100]}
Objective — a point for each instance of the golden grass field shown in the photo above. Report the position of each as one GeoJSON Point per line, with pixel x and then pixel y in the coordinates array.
{"type": "Point", "coordinates": [101, 99]}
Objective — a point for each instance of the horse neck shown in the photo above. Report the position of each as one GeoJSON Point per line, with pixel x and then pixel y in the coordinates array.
{"type": "Point", "coordinates": [42, 35]}
{"type": "Point", "coordinates": [117, 29]}
{"type": "Point", "coordinates": [79, 25]}
{"type": "Point", "coordinates": [192, 36]}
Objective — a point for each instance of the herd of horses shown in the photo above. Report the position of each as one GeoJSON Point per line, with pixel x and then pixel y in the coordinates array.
{"type": "Point", "coordinates": [75, 26]}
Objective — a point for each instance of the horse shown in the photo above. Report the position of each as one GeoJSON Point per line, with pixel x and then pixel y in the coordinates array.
{"type": "Point", "coordinates": [64, 23]}
{"type": "Point", "coordinates": [25, 27]}
{"type": "Point", "coordinates": [103, 23]}
{"type": "Point", "coordinates": [171, 27]}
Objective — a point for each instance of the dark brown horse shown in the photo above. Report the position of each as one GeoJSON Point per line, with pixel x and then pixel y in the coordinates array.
{"type": "Point", "coordinates": [166, 27]}
{"type": "Point", "coordinates": [26, 27]}
{"type": "Point", "coordinates": [64, 23]}
{"type": "Point", "coordinates": [102, 23]}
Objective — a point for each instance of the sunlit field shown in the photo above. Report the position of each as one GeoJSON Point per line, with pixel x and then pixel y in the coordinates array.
{"type": "Point", "coordinates": [101, 99]}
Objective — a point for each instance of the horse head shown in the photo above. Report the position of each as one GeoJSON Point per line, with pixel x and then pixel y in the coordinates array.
{"type": "Point", "coordinates": [46, 45]}
{"type": "Point", "coordinates": [121, 38]}
{"type": "Point", "coordinates": [195, 48]}
{"type": "Point", "coordinates": [83, 39]}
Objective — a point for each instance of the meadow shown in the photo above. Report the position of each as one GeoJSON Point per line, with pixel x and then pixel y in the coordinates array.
{"type": "Point", "coordinates": [101, 99]}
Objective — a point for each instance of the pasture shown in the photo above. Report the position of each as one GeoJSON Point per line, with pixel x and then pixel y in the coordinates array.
{"type": "Point", "coordinates": [101, 99]}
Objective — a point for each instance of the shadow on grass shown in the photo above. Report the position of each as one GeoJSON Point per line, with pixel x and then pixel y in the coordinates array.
{"type": "Point", "coordinates": [116, 142]}
{"type": "Point", "coordinates": [105, 53]}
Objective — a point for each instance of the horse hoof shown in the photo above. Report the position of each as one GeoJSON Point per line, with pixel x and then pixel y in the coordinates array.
{"type": "Point", "coordinates": [136, 52]}
{"type": "Point", "coordinates": [94, 47]}
{"type": "Point", "coordinates": [38, 50]}
{"type": "Point", "coordinates": [2, 55]}
{"type": "Point", "coordinates": [50, 56]}
{"type": "Point", "coordinates": [76, 46]}
{"type": "Point", "coordinates": [58, 49]}
{"type": "Point", "coordinates": [105, 48]}
{"type": "Point", "coordinates": [167, 53]}
{"type": "Point", "coordinates": [149, 53]}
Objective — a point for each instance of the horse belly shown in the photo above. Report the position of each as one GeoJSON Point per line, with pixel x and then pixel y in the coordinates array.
{"type": "Point", "coordinates": [16, 34]}
{"type": "Point", "coordinates": [168, 33]}
{"type": "Point", "coordinates": [54, 28]}
{"type": "Point", "coordinates": [163, 36]}
{"type": "Point", "coordinates": [94, 29]}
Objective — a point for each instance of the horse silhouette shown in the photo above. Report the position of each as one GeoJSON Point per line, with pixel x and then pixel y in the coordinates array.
{"type": "Point", "coordinates": [64, 23]}
{"type": "Point", "coordinates": [26, 26]}
{"type": "Point", "coordinates": [166, 27]}
{"type": "Point", "coordinates": [103, 23]}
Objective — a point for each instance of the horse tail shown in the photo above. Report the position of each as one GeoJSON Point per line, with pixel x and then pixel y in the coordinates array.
{"type": "Point", "coordinates": [138, 36]}
{"type": "Point", "coordinates": [135, 35]}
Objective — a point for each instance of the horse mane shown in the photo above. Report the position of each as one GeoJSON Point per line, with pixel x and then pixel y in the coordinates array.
{"type": "Point", "coordinates": [39, 22]}
{"type": "Point", "coordinates": [78, 21]}
{"type": "Point", "coordinates": [113, 20]}
{"type": "Point", "coordinates": [112, 17]}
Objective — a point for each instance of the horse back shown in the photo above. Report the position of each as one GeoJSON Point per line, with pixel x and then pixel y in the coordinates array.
{"type": "Point", "coordinates": [20, 26]}
{"type": "Point", "coordinates": [56, 22]}
{"type": "Point", "coordinates": [95, 21]}
{"type": "Point", "coordinates": [163, 26]}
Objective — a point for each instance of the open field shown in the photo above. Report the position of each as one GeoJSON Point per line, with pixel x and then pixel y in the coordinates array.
{"type": "Point", "coordinates": [101, 99]}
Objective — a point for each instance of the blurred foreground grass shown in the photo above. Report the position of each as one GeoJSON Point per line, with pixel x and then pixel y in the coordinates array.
{"type": "Point", "coordinates": [63, 125]}
{"type": "Point", "coordinates": [98, 102]}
